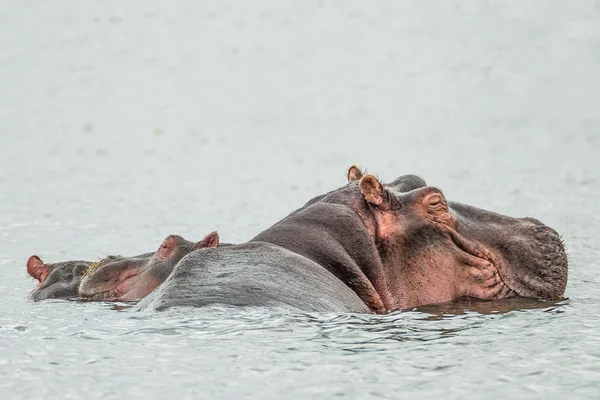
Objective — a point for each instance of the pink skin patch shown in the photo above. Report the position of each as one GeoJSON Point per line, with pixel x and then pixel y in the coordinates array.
{"type": "Point", "coordinates": [126, 287]}
{"type": "Point", "coordinates": [138, 290]}
{"type": "Point", "coordinates": [165, 251]}
{"type": "Point", "coordinates": [38, 270]}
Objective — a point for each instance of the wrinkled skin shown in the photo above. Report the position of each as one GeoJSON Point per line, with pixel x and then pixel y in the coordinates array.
{"type": "Point", "coordinates": [130, 279]}
{"type": "Point", "coordinates": [59, 280]}
{"type": "Point", "coordinates": [395, 246]}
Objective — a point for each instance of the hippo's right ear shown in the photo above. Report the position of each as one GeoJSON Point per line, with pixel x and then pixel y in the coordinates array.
{"type": "Point", "coordinates": [36, 268]}
{"type": "Point", "coordinates": [210, 240]}
{"type": "Point", "coordinates": [354, 173]}
{"type": "Point", "coordinates": [371, 190]}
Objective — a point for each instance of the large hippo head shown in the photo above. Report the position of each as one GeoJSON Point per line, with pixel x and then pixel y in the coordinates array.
{"type": "Point", "coordinates": [132, 278]}
{"type": "Point", "coordinates": [59, 280]}
{"type": "Point", "coordinates": [402, 244]}
{"type": "Point", "coordinates": [433, 250]}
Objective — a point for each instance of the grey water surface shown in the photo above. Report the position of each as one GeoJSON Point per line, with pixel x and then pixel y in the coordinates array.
{"type": "Point", "coordinates": [123, 122]}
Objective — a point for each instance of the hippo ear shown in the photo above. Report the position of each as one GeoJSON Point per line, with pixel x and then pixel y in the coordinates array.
{"type": "Point", "coordinates": [354, 173]}
{"type": "Point", "coordinates": [36, 268]}
{"type": "Point", "coordinates": [371, 190]}
{"type": "Point", "coordinates": [210, 240]}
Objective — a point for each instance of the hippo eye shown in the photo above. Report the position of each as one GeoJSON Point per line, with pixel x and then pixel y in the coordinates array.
{"type": "Point", "coordinates": [435, 202]}
{"type": "Point", "coordinates": [106, 279]}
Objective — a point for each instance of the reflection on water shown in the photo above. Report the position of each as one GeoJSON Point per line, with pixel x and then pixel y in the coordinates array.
{"type": "Point", "coordinates": [471, 305]}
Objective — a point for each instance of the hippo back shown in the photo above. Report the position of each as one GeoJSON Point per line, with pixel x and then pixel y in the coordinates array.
{"type": "Point", "coordinates": [253, 274]}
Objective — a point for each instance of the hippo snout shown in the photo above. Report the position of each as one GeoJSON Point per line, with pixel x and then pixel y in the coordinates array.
{"type": "Point", "coordinates": [539, 264]}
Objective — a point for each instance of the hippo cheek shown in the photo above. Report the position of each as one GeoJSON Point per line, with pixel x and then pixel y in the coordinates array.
{"type": "Point", "coordinates": [482, 280]}
{"type": "Point", "coordinates": [103, 285]}
{"type": "Point", "coordinates": [478, 268]}
{"type": "Point", "coordinates": [138, 287]}
{"type": "Point", "coordinates": [444, 273]}
{"type": "Point", "coordinates": [125, 284]}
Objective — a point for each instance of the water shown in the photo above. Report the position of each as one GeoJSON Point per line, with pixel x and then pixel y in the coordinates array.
{"type": "Point", "coordinates": [120, 125]}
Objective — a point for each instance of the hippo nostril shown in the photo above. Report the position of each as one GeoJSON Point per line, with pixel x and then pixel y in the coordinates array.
{"type": "Point", "coordinates": [546, 235]}
{"type": "Point", "coordinates": [539, 226]}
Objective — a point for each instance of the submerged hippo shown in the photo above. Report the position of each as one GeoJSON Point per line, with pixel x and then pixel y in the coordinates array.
{"type": "Point", "coordinates": [59, 280]}
{"type": "Point", "coordinates": [129, 279]}
{"type": "Point", "coordinates": [373, 247]}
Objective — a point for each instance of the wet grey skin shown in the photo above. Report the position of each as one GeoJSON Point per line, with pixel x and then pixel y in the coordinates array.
{"type": "Point", "coordinates": [59, 280]}
{"type": "Point", "coordinates": [131, 279]}
{"type": "Point", "coordinates": [373, 247]}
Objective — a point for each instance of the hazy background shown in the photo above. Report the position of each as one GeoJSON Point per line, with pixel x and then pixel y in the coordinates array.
{"type": "Point", "coordinates": [123, 122]}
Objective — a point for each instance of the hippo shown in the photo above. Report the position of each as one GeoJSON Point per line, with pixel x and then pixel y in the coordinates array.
{"type": "Point", "coordinates": [373, 247]}
{"type": "Point", "coordinates": [59, 280]}
{"type": "Point", "coordinates": [130, 279]}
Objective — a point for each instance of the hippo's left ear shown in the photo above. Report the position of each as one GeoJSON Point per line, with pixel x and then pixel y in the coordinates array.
{"type": "Point", "coordinates": [36, 268]}
{"type": "Point", "coordinates": [210, 240]}
{"type": "Point", "coordinates": [354, 173]}
{"type": "Point", "coordinates": [371, 190]}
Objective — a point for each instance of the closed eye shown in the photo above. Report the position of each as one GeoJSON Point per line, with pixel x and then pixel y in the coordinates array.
{"type": "Point", "coordinates": [435, 201]}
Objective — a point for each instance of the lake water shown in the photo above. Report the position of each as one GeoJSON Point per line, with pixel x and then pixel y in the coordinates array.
{"type": "Point", "coordinates": [121, 123]}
